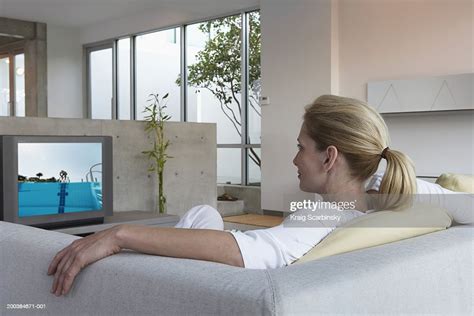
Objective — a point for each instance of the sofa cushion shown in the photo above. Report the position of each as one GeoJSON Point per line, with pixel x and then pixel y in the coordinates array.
{"type": "Point", "coordinates": [456, 182]}
{"type": "Point", "coordinates": [380, 228]}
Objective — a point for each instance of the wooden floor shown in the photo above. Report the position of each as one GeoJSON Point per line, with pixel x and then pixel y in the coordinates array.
{"type": "Point", "coordinates": [255, 219]}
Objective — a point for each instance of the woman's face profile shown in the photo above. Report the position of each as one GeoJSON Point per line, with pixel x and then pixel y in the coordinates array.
{"type": "Point", "coordinates": [309, 162]}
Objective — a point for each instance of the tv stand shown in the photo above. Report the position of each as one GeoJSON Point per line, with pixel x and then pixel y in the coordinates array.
{"type": "Point", "coordinates": [129, 217]}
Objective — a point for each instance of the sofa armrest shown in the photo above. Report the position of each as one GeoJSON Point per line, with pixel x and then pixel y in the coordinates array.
{"type": "Point", "coordinates": [124, 284]}
{"type": "Point", "coordinates": [432, 274]}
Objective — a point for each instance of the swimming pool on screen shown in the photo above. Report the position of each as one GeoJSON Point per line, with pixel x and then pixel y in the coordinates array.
{"type": "Point", "coordinates": [39, 198]}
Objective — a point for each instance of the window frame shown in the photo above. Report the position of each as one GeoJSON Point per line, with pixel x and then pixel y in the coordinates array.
{"type": "Point", "coordinates": [244, 144]}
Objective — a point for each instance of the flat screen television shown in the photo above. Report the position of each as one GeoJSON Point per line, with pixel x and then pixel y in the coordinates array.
{"type": "Point", "coordinates": [55, 181]}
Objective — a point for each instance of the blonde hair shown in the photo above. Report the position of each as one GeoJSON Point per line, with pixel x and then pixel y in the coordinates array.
{"type": "Point", "coordinates": [361, 135]}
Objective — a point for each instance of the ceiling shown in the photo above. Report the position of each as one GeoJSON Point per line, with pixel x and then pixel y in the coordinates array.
{"type": "Point", "coordinates": [79, 13]}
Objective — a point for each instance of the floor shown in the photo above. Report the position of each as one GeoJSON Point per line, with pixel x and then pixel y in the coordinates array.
{"type": "Point", "coordinates": [251, 221]}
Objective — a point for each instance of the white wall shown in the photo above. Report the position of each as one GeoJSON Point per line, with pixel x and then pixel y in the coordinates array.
{"type": "Point", "coordinates": [387, 39]}
{"type": "Point", "coordinates": [381, 40]}
{"type": "Point", "coordinates": [296, 68]}
{"type": "Point", "coordinates": [64, 62]}
{"type": "Point", "coordinates": [315, 47]}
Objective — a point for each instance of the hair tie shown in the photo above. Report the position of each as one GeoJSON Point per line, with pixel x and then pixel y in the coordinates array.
{"type": "Point", "coordinates": [384, 152]}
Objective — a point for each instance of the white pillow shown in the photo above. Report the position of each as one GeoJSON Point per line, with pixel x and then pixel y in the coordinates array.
{"type": "Point", "coordinates": [458, 205]}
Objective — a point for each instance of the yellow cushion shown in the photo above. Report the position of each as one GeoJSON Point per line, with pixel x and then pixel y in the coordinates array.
{"type": "Point", "coordinates": [457, 182]}
{"type": "Point", "coordinates": [380, 228]}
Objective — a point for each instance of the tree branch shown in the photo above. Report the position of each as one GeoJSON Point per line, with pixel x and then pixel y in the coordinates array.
{"type": "Point", "coordinates": [253, 107]}
{"type": "Point", "coordinates": [254, 156]}
{"type": "Point", "coordinates": [227, 106]}
{"type": "Point", "coordinates": [235, 98]}
{"type": "Point", "coordinates": [227, 115]}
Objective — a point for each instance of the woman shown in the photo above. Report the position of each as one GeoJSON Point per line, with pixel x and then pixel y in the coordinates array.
{"type": "Point", "coordinates": [340, 146]}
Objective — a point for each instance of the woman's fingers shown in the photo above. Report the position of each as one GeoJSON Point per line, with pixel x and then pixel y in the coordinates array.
{"type": "Point", "coordinates": [66, 260]}
{"type": "Point", "coordinates": [59, 267]}
{"type": "Point", "coordinates": [72, 267]}
{"type": "Point", "coordinates": [69, 276]}
{"type": "Point", "coordinates": [59, 274]}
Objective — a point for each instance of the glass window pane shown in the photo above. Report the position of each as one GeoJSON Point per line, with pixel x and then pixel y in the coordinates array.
{"type": "Point", "coordinates": [254, 83]}
{"type": "Point", "coordinates": [4, 86]}
{"type": "Point", "coordinates": [253, 160]}
{"type": "Point", "coordinates": [214, 76]}
{"type": "Point", "coordinates": [20, 85]}
{"type": "Point", "coordinates": [158, 62]}
{"type": "Point", "coordinates": [229, 165]}
{"type": "Point", "coordinates": [123, 78]}
{"type": "Point", "coordinates": [101, 83]}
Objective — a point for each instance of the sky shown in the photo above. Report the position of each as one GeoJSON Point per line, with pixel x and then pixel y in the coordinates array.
{"type": "Point", "coordinates": [51, 158]}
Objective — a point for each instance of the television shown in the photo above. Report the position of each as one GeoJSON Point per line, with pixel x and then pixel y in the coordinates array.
{"type": "Point", "coordinates": [55, 181]}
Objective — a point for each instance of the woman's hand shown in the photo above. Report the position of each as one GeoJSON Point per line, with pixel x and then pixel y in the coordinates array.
{"type": "Point", "coordinates": [68, 262]}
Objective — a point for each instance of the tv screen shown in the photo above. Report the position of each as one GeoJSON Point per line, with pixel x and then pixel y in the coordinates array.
{"type": "Point", "coordinates": [56, 181]}
{"type": "Point", "coordinates": [61, 178]}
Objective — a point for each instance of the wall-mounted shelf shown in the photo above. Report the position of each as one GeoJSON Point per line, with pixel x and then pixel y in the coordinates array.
{"type": "Point", "coordinates": [431, 94]}
{"type": "Point", "coordinates": [425, 113]}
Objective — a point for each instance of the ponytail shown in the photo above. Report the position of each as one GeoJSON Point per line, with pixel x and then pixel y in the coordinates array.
{"type": "Point", "coordinates": [398, 183]}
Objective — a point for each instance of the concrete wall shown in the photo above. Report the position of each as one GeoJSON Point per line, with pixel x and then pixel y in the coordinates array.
{"type": "Point", "coordinates": [190, 177]}
{"type": "Point", "coordinates": [65, 88]}
{"type": "Point", "coordinates": [313, 47]}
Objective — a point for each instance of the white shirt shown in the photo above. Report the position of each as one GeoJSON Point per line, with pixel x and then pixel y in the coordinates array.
{"type": "Point", "coordinates": [281, 245]}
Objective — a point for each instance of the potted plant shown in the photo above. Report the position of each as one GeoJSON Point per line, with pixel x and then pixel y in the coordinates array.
{"type": "Point", "coordinates": [155, 119]}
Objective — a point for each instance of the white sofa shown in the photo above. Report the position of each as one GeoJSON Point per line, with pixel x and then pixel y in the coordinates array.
{"type": "Point", "coordinates": [430, 274]}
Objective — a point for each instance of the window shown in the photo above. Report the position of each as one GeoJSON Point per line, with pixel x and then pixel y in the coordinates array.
{"type": "Point", "coordinates": [254, 78]}
{"type": "Point", "coordinates": [101, 83]}
{"type": "Point", "coordinates": [214, 76]}
{"type": "Point", "coordinates": [211, 71]}
{"type": "Point", "coordinates": [229, 166]}
{"type": "Point", "coordinates": [158, 64]}
{"type": "Point", "coordinates": [254, 113]}
{"type": "Point", "coordinates": [12, 84]}
{"type": "Point", "coordinates": [216, 51]}
{"type": "Point", "coordinates": [123, 79]}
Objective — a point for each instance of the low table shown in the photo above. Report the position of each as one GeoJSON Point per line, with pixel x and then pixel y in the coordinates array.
{"type": "Point", "coordinates": [129, 217]}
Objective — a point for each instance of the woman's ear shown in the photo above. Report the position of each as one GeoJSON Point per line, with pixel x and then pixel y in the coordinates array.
{"type": "Point", "coordinates": [330, 154]}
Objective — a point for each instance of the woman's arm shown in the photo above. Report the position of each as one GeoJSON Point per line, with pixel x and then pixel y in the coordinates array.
{"type": "Point", "coordinates": [201, 244]}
